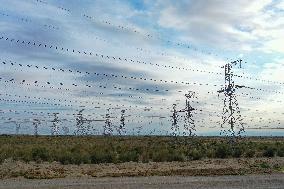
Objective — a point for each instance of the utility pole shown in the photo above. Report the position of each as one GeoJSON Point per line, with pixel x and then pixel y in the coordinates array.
{"type": "Point", "coordinates": [231, 112]}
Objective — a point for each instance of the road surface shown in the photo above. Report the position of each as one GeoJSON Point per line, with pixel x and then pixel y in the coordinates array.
{"type": "Point", "coordinates": [275, 181]}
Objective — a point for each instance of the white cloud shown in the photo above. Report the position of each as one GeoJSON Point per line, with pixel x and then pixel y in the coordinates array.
{"type": "Point", "coordinates": [280, 5]}
{"type": "Point", "coordinates": [241, 25]}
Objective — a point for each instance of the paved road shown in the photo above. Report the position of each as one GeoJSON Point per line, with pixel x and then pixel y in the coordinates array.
{"type": "Point", "coordinates": [275, 181]}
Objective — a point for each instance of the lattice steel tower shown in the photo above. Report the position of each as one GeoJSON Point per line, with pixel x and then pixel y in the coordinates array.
{"type": "Point", "coordinates": [79, 123]}
{"type": "Point", "coordinates": [121, 129]}
{"type": "Point", "coordinates": [54, 127]}
{"type": "Point", "coordinates": [231, 115]}
{"type": "Point", "coordinates": [189, 125]}
{"type": "Point", "coordinates": [36, 123]}
{"type": "Point", "coordinates": [108, 125]}
{"type": "Point", "coordinates": [175, 127]}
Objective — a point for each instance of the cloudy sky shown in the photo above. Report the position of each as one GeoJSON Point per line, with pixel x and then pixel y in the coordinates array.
{"type": "Point", "coordinates": [140, 56]}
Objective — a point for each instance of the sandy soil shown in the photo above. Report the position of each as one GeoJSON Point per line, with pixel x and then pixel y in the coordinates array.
{"type": "Point", "coordinates": [275, 181]}
{"type": "Point", "coordinates": [12, 169]}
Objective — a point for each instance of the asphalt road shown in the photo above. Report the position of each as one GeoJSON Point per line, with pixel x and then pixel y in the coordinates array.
{"type": "Point", "coordinates": [275, 181]}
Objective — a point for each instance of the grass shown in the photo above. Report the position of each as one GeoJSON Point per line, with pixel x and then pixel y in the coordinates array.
{"type": "Point", "coordinates": [98, 149]}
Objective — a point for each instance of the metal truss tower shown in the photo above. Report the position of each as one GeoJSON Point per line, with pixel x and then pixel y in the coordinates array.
{"type": "Point", "coordinates": [189, 125]}
{"type": "Point", "coordinates": [81, 128]}
{"type": "Point", "coordinates": [175, 127]}
{"type": "Point", "coordinates": [231, 115]}
{"type": "Point", "coordinates": [108, 125]}
{"type": "Point", "coordinates": [54, 127]}
{"type": "Point", "coordinates": [36, 123]}
{"type": "Point", "coordinates": [121, 129]}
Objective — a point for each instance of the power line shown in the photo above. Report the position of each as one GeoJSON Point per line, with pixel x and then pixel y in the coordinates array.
{"type": "Point", "coordinates": [29, 21]}
{"type": "Point", "coordinates": [117, 59]}
{"type": "Point", "coordinates": [121, 27]}
{"type": "Point", "coordinates": [136, 78]}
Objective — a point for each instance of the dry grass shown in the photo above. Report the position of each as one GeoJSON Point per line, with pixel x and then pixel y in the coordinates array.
{"type": "Point", "coordinates": [236, 166]}
{"type": "Point", "coordinates": [55, 157]}
{"type": "Point", "coordinates": [95, 149]}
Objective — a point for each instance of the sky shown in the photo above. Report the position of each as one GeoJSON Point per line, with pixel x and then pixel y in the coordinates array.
{"type": "Point", "coordinates": [140, 56]}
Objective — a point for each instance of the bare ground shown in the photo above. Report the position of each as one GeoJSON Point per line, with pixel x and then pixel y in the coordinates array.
{"type": "Point", "coordinates": [209, 167]}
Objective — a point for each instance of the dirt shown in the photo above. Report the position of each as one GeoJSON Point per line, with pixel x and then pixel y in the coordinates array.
{"type": "Point", "coordinates": [209, 167]}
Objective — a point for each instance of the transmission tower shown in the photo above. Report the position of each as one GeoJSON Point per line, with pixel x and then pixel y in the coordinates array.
{"type": "Point", "coordinates": [175, 127]}
{"type": "Point", "coordinates": [17, 123]}
{"type": "Point", "coordinates": [79, 123]}
{"type": "Point", "coordinates": [108, 125]}
{"type": "Point", "coordinates": [18, 126]}
{"type": "Point", "coordinates": [121, 129]}
{"type": "Point", "coordinates": [65, 130]}
{"type": "Point", "coordinates": [36, 123]}
{"type": "Point", "coordinates": [189, 125]}
{"type": "Point", "coordinates": [54, 127]}
{"type": "Point", "coordinates": [81, 128]}
{"type": "Point", "coordinates": [83, 125]}
{"type": "Point", "coordinates": [231, 115]}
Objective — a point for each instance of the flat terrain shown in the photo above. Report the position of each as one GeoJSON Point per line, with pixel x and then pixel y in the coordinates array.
{"type": "Point", "coordinates": [46, 157]}
{"type": "Point", "coordinates": [120, 149]}
{"type": "Point", "coordinates": [206, 167]}
{"type": "Point", "coordinates": [140, 162]}
{"type": "Point", "coordinates": [275, 181]}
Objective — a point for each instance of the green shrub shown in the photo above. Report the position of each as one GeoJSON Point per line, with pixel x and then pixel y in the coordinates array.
{"type": "Point", "coordinates": [250, 153]}
{"type": "Point", "coordinates": [195, 154]}
{"type": "Point", "coordinates": [280, 152]}
{"type": "Point", "coordinates": [269, 152]}
{"type": "Point", "coordinates": [127, 156]}
{"type": "Point", "coordinates": [113, 149]}
{"type": "Point", "coordinates": [23, 154]}
{"type": "Point", "coordinates": [65, 158]}
{"type": "Point", "coordinates": [222, 151]}
{"type": "Point", "coordinates": [2, 157]}
{"type": "Point", "coordinates": [161, 155]}
{"type": "Point", "coordinates": [237, 152]}
{"type": "Point", "coordinates": [40, 154]}
{"type": "Point", "coordinates": [210, 153]}
{"type": "Point", "coordinates": [264, 165]}
{"type": "Point", "coordinates": [176, 156]}
{"type": "Point", "coordinates": [100, 156]}
{"type": "Point", "coordinates": [145, 157]}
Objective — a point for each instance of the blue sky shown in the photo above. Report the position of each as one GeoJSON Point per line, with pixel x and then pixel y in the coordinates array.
{"type": "Point", "coordinates": [113, 38]}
